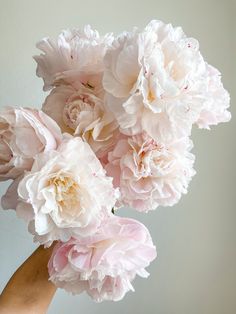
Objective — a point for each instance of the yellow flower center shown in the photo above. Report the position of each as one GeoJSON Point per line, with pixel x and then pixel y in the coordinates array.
{"type": "Point", "coordinates": [66, 194]}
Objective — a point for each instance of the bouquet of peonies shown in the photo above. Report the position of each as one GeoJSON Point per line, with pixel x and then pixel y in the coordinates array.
{"type": "Point", "coordinates": [113, 131]}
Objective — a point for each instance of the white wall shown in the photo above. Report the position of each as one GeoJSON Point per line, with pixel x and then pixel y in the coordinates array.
{"type": "Point", "coordinates": [195, 272]}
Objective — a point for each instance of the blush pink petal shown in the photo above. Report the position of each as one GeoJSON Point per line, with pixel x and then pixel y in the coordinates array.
{"type": "Point", "coordinates": [82, 112]}
{"type": "Point", "coordinates": [24, 134]}
{"type": "Point", "coordinates": [150, 173]}
{"type": "Point", "coordinates": [72, 54]}
{"type": "Point", "coordinates": [104, 264]}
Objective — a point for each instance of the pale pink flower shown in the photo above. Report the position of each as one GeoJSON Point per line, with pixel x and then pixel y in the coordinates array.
{"type": "Point", "coordinates": [82, 112]}
{"type": "Point", "coordinates": [75, 55]}
{"type": "Point", "coordinates": [151, 173]}
{"type": "Point", "coordinates": [24, 133]}
{"type": "Point", "coordinates": [215, 107]}
{"type": "Point", "coordinates": [156, 81]}
{"type": "Point", "coordinates": [66, 193]}
{"type": "Point", "coordinates": [104, 264]}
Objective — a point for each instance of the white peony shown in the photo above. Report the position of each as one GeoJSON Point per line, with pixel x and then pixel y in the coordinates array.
{"type": "Point", "coordinates": [156, 81]}
{"type": "Point", "coordinates": [66, 193]}
{"type": "Point", "coordinates": [75, 55]}
{"type": "Point", "coordinates": [82, 112]}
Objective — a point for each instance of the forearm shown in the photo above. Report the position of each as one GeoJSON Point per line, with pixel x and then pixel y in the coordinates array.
{"type": "Point", "coordinates": [29, 290]}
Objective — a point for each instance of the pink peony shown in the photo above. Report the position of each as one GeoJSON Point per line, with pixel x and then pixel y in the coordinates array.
{"type": "Point", "coordinates": [24, 133]}
{"type": "Point", "coordinates": [82, 112]}
{"type": "Point", "coordinates": [75, 55]}
{"type": "Point", "coordinates": [103, 264]}
{"type": "Point", "coordinates": [66, 193]}
{"type": "Point", "coordinates": [151, 173]}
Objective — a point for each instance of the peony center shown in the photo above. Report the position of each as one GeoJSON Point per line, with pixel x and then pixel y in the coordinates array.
{"type": "Point", "coordinates": [67, 194]}
{"type": "Point", "coordinates": [76, 110]}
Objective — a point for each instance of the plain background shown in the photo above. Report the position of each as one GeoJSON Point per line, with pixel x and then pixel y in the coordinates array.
{"type": "Point", "coordinates": [195, 272]}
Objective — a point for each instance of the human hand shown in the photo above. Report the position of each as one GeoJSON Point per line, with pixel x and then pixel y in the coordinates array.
{"type": "Point", "coordinates": [29, 290]}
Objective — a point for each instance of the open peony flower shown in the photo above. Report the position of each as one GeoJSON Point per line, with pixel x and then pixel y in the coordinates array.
{"type": "Point", "coordinates": [82, 112]}
{"type": "Point", "coordinates": [23, 134]}
{"type": "Point", "coordinates": [75, 55]}
{"type": "Point", "coordinates": [66, 193]}
{"type": "Point", "coordinates": [103, 264]}
{"type": "Point", "coordinates": [151, 173]}
{"type": "Point", "coordinates": [215, 107]}
{"type": "Point", "coordinates": [156, 80]}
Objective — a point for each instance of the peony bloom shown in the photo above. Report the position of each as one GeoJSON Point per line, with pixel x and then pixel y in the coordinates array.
{"type": "Point", "coordinates": [103, 264]}
{"type": "Point", "coordinates": [215, 107]}
{"type": "Point", "coordinates": [75, 56]}
{"type": "Point", "coordinates": [156, 81]}
{"type": "Point", "coordinates": [82, 112]}
{"type": "Point", "coordinates": [24, 133]}
{"type": "Point", "coordinates": [66, 193]}
{"type": "Point", "coordinates": [151, 173]}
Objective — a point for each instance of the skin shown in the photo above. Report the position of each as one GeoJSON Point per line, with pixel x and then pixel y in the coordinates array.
{"type": "Point", "coordinates": [29, 290]}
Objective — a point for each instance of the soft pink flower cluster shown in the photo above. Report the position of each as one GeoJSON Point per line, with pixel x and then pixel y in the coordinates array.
{"type": "Point", "coordinates": [113, 131]}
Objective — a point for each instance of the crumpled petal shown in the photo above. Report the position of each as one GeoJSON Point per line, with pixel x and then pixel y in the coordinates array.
{"type": "Point", "coordinates": [104, 264]}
